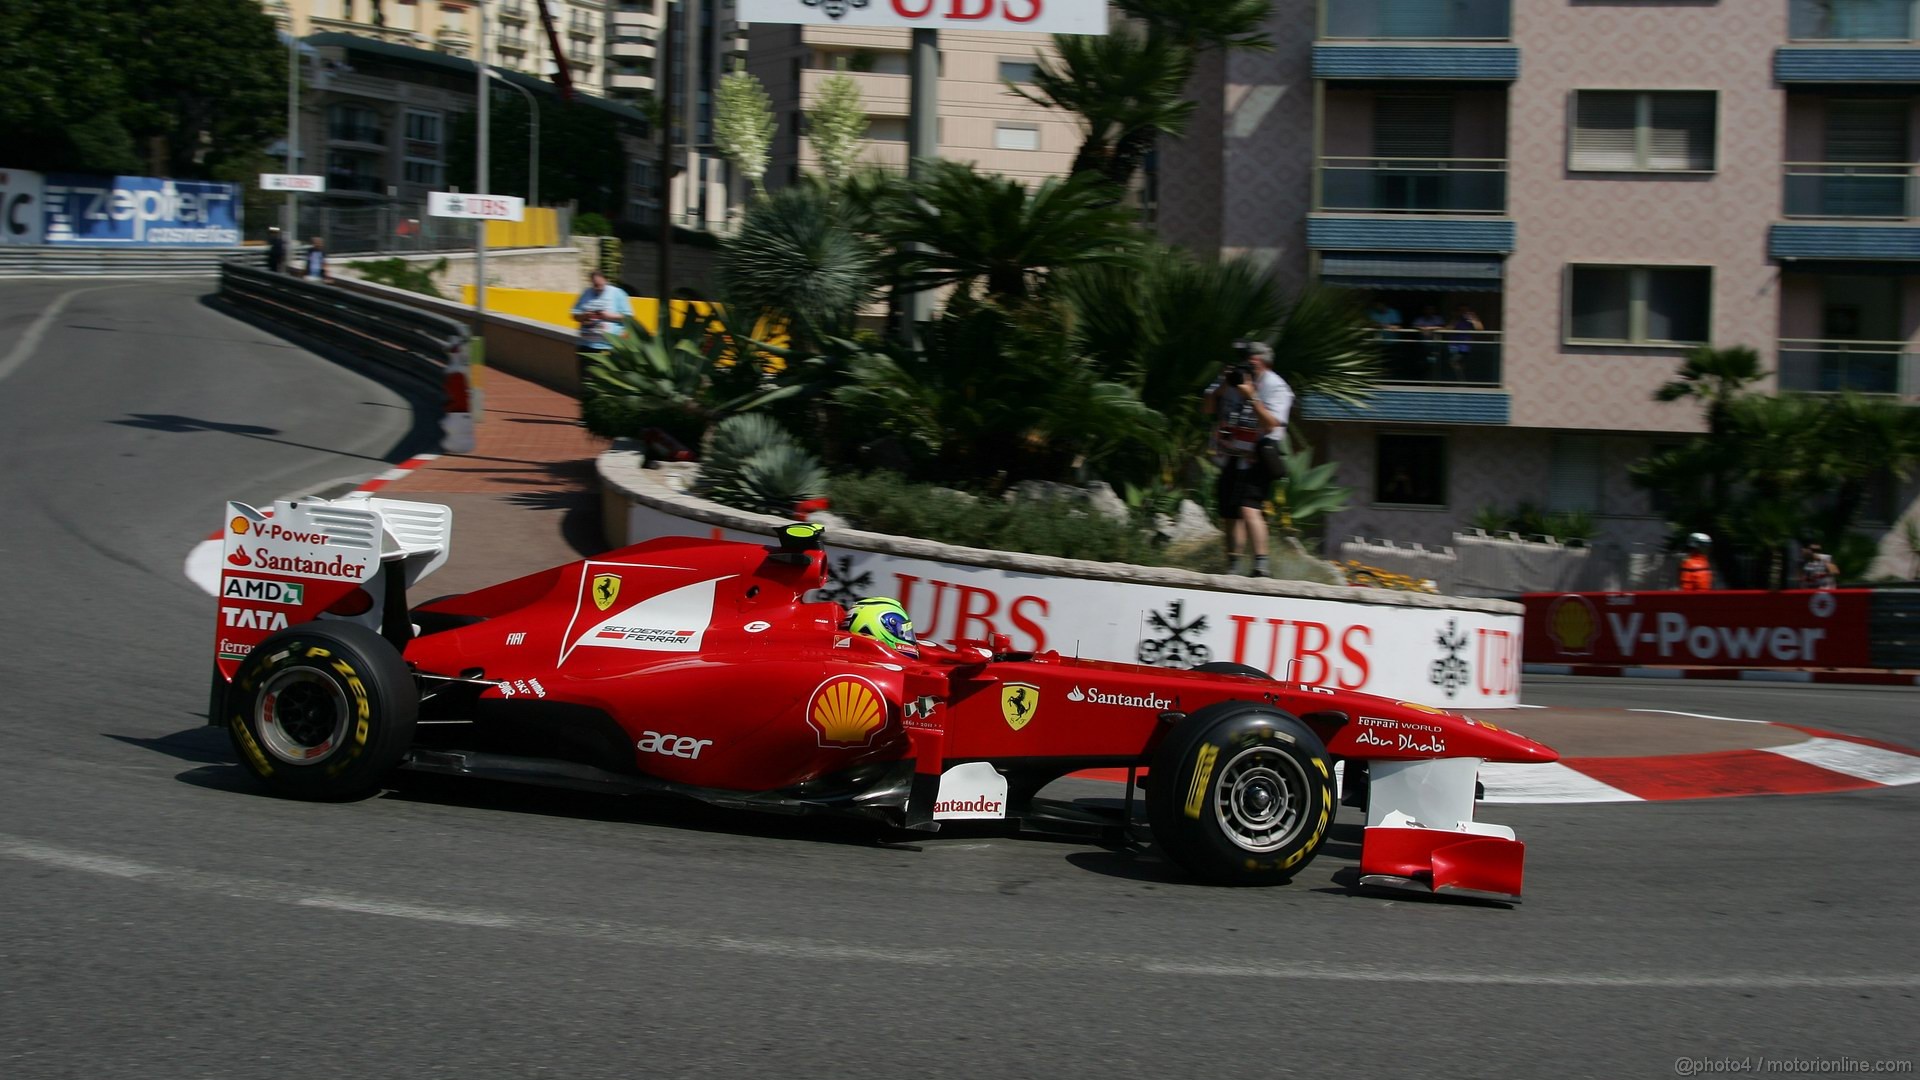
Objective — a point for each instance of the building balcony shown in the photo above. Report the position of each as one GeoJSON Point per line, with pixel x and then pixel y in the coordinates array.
{"type": "Point", "coordinates": [514, 11]}
{"type": "Point", "coordinates": [1413, 185]}
{"type": "Point", "coordinates": [1813, 366]}
{"type": "Point", "coordinates": [1848, 190]}
{"type": "Point", "coordinates": [359, 134]}
{"type": "Point", "coordinates": [1441, 357]}
{"type": "Point", "coordinates": [1416, 20]}
{"type": "Point", "coordinates": [453, 40]}
{"type": "Point", "coordinates": [632, 48]}
{"type": "Point", "coordinates": [513, 40]}
{"type": "Point", "coordinates": [1861, 241]}
{"type": "Point", "coordinates": [1416, 406]}
{"type": "Point", "coordinates": [1328, 232]}
{"type": "Point", "coordinates": [1852, 20]}
{"type": "Point", "coordinates": [880, 95]}
{"type": "Point", "coordinates": [350, 183]}
{"type": "Point", "coordinates": [1416, 62]}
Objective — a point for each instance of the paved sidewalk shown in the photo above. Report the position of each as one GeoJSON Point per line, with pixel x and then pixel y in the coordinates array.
{"type": "Point", "coordinates": [525, 499]}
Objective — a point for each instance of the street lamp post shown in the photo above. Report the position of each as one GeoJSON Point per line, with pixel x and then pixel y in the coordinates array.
{"type": "Point", "coordinates": [481, 185]}
{"type": "Point", "coordinates": [533, 150]}
{"type": "Point", "coordinates": [293, 138]}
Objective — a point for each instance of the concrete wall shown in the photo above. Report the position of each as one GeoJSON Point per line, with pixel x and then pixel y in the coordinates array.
{"type": "Point", "coordinates": [535, 268]}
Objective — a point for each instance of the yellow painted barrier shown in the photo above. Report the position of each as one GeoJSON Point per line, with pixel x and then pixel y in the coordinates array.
{"type": "Point", "coordinates": [540, 227]}
{"type": "Point", "coordinates": [556, 309]}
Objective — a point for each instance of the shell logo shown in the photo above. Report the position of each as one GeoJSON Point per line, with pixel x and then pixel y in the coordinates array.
{"type": "Point", "coordinates": [239, 525]}
{"type": "Point", "coordinates": [846, 710]}
{"type": "Point", "coordinates": [1572, 623]}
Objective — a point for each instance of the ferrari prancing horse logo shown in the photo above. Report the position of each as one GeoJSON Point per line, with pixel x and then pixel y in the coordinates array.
{"type": "Point", "coordinates": [1018, 702]}
{"type": "Point", "coordinates": [605, 588]}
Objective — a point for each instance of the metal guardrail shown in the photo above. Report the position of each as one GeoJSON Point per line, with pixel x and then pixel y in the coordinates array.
{"type": "Point", "coordinates": [413, 343]}
{"type": "Point", "coordinates": [83, 261]}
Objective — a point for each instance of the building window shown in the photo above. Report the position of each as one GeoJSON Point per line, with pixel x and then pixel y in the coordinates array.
{"type": "Point", "coordinates": [1574, 474]}
{"type": "Point", "coordinates": [423, 127]}
{"type": "Point", "coordinates": [1639, 305]}
{"type": "Point", "coordinates": [1410, 470]}
{"type": "Point", "coordinates": [1016, 137]}
{"type": "Point", "coordinates": [1643, 131]}
{"type": "Point", "coordinates": [418, 171]}
{"type": "Point", "coordinates": [1018, 71]}
{"type": "Point", "coordinates": [887, 129]}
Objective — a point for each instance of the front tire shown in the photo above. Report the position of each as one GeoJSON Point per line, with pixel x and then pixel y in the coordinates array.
{"type": "Point", "coordinates": [322, 711]}
{"type": "Point", "coordinates": [1242, 795]}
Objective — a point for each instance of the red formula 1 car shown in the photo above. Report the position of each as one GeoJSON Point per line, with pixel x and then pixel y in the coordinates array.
{"type": "Point", "coordinates": [699, 668]}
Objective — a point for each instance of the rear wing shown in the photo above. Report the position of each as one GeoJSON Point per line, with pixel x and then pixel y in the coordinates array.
{"type": "Point", "coordinates": [306, 559]}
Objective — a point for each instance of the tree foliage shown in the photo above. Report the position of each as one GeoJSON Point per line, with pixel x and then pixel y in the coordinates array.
{"type": "Point", "coordinates": [836, 126]}
{"type": "Point", "coordinates": [798, 258]}
{"type": "Point", "coordinates": [1773, 470]}
{"type": "Point", "coordinates": [181, 88]}
{"type": "Point", "coordinates": [991, 234]}
{"type": "Point", "coordinates": [743, 126]}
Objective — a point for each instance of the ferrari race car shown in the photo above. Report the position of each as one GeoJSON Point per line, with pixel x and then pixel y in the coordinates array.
{"type": "Point", "coordinates": [700, 668]}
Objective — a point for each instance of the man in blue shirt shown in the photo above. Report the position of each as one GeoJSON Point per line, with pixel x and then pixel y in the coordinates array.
{"type": "Point", "coordinates": [602, 312]}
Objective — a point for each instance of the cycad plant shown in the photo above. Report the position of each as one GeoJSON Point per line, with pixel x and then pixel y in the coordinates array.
{"type": "Point", "coordinates": [671, 379]}
{"type": "Point", "coordinates": [798, 258]}
{"type": "Point", "coordinates": [753, 464]}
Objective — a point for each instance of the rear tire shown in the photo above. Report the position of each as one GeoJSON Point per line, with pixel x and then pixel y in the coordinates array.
{"type": "Point", "coordinates": [1228, 667]}
{"type": "Point", "coordinates": [322, 710]}
{"type": "Point", "coordinates": [1243, 795]}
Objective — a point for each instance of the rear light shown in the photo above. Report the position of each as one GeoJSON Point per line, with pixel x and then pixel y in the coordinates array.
{"type": "Point", "coordinates": [357, 602]}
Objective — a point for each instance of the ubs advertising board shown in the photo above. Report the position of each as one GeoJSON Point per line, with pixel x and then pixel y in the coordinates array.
{"type": "Point", "coordinates": [1432, 656]}
{"type": "Point", "coordinates": [140, 211]}
{"type": "Point", "coordinates": [1003, 16]}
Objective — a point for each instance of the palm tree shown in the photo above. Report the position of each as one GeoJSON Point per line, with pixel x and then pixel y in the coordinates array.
{"type": "Point", "coordinates": [1126, 87]}
{"type": "Point", "coordinates": [971, 230]}
{"type": "Point", "coordinates": [1168, 328]}
{"type": "Point", "coordinates": [797, 258]}
{"type": "Point", "coordinates": [1130, 87]}
{"type": "Point", "coordinates": [1713, 377]}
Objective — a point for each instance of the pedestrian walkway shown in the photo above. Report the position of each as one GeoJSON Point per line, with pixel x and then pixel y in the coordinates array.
{"type": "Point", "coordinates": [525, 499]}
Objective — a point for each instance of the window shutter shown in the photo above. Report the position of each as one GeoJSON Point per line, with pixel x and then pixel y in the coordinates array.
{"type": "Point", "coordinates": [1604, 130]}
{"type": "Point", "coordinates": [1412, 127]}
{"type": "Point", "coordinates": [1680, 134]}
{"type": "Point", "coordinates": [1869, 131]}
{"type": "Point", "coordinates": [1574, 477]}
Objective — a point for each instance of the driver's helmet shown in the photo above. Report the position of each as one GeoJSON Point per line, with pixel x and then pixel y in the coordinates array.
{"type": "Point", "coordinates": [884, 620]}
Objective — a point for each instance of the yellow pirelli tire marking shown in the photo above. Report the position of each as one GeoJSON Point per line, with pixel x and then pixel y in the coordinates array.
{"type": "Point", "coordinates": [251, 748]}
{"type": "Point", "coordinates": [1202, 772]}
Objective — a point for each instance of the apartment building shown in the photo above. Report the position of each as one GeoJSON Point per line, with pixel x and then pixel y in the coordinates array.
{"type": "Point", "coordinates": [1569, 195]}
{"type": "Point", "coordinates": [516, 40]}
{"type": "Point", "coordinates": [980, 120]}
{"type": "Point", "coordinates": [376, 119]}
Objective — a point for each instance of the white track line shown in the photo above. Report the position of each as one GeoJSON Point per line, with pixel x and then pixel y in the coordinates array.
{"type": "Point", "coordinates": [1546, 783]}
{"type": "Point", "coordinates": [1889, 767]}
{"type": "Point", "coordinates": [1700, 716]}
{"type": "Point", "coordinates": [789, 949]}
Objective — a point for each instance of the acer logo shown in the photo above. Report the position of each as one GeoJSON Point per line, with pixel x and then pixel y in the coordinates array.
{"type": "Point", "coordinates": [680, 746]}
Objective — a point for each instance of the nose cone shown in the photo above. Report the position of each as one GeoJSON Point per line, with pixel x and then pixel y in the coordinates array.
{"type": "Point", "coordinates": [1511, 746]}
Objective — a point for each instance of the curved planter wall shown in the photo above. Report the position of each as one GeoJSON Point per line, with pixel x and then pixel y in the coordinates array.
{"type": "Point", "coordinates": [1436, 650]}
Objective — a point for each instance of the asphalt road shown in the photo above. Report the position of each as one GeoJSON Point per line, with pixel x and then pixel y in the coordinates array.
{"type": "Point", "coordinates": [164, 919]}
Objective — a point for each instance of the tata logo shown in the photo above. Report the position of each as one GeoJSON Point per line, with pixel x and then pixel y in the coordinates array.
{"type": "Point", "coordinates": [251, 619]}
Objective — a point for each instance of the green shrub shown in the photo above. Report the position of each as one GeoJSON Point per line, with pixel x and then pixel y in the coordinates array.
{"type": "Point", "coordinates": [591, 224]}
{"type": "Point", "coordinates": [751, 463]}
{"type": "Point", "coordinates": [402, 274]}
{"type": "Point", "coordinates": [1066, 527]}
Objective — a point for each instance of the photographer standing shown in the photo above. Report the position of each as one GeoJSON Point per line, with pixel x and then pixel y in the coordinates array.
{"type": "Point", "coordinates": [602, 310]}
{"type": "Point", "coordinates": [1250, 404]}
